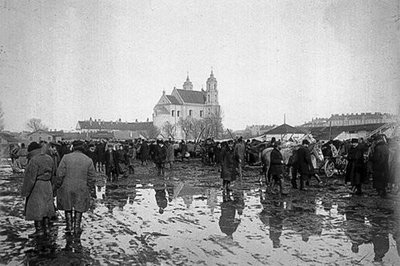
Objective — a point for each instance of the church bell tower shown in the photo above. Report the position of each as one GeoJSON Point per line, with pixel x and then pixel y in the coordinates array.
{"type": "Point", "coordinates": [211, 90]}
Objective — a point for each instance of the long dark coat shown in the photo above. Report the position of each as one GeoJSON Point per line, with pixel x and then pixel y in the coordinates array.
{"type": "Point", "coordinates": [37, 187]}
{"type": "Point", "coordinates": [304, 164]}
{"type": "Point", "coordinates": [228, 164]}
{"type": "Point", "coordinates": [276, 163]}
{"type": "Point", "coordinates": [160, 154]}
{"type": "Point", "coordinates": [75, 179]}
{"type": "Point", "coordinates": [356, 166]}
{"type": "Point", "coordinates": [380, 165]}
{"type": "Point", "coordinates": [144, 151]}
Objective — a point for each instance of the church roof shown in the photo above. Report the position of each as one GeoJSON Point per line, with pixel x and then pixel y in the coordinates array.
{"type": "Point", "coordinates": [162, 109]}
{"type": "Point", "coordinates": [189, 96]}
{"type": "Point", "coordinates": [172, 99]}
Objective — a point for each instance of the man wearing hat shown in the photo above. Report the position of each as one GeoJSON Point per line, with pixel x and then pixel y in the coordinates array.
{"type": "Point", "coordinates": [380, 166]}
{"type": "Point", "coordinates": [304, 164]}
{"type": "Point", "coordinates": [74, 184]}
{"type": "Point", "coordinates": [37, 189]}
{"type": "Point", "coordinates": [160, 156]}
{"type": "Point", "coordinates": [354, 171]}
{"type": "Point", "coordinates": [228, 166]}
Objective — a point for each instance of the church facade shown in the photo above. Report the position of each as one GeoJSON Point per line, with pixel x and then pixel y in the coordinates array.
{"type": "Point", "coordinates": [184, 103]}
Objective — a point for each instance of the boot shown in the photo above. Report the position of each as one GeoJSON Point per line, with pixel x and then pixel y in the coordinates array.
{"type": "Point", "coordinates": [46, 225]}
{"type": "Point", "coordinates": [68, 222]}
{"type": "Point", "coordinates": [38, 230]}
{"type": "Point", "coordinates": [77, 223]}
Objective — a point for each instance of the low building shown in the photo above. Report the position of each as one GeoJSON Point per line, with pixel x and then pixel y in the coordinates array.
{"type": "Point", "coordinates": [352, 119]}
{"type": "Point", "coordinates": [119, 130]}
{"type": "Point", "coordinates": [284, 132]}
{"type": "Point", "coordinates": [365, 131]}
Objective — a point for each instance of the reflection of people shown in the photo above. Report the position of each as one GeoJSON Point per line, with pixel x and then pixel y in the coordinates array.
{"type": "Point", "coordinates": [227, 222]}
{"type": "Point", "coordinates": [271, 215]}
{"type": "Point", "coordinates": [37, 189]}
{"type": "Point", "coordinates": [355, 229]}
{"type": "Point", "coordinates": [380, 237]}
{"type": "Point", "coordinates": [75, 178]}
{"type": "Point", "coordinates": [161, 199]}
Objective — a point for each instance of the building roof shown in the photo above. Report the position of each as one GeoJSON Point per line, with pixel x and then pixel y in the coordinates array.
{"type": "Point", "coordinates": [109, 125]}
{"type": "Point", "coordinates": [8, 137]}
{"type": "Point", "coordinates": [172, 99]}
{"type": "Point", "coordinates": [189, 96]}
{"type": "Point", "coordinates": [326, 133]}
{"type": "Point", "coordinates": [284, 129]}
{"type": "Point", "coordinates": [161, 109]}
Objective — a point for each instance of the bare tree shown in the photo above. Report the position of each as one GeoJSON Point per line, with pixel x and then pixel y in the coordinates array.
{"type": "Point", "coordinates": [186, 126]}
{"type": "Point", "coordinates": [36, 124]}
{"type": "Point", "coordinates": [169, 130]}
{"type": "Point", "coordinates": [1, 118]}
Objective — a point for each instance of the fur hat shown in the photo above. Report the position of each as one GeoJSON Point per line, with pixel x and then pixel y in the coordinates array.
{"type": "Point", "coordinates": [33, 146]}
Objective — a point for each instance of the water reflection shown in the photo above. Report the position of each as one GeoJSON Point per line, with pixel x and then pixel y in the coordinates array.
{"type": "Point", "coordinates": [228, 223]}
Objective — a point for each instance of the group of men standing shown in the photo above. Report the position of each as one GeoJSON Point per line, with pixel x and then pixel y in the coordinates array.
{"type": "Point", "coordinates": [71, 180]}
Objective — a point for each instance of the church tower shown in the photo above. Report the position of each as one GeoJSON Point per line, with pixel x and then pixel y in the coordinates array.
{"type": "Point", "coordinates": [211, 91]}
{"type": "Point", "coordinates": [188, 85]}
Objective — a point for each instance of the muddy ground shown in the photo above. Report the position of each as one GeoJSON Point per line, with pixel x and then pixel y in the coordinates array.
{"type": "Point", "coordinates": [182, 220]}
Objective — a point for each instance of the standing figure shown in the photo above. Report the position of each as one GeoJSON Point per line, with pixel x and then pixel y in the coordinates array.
{"type": "Point", "coordinates": [131, 158]}
{"type": "Point", "coordinates": [37, 189]}
{"type": "Point", "coordinates": [304, 164]}
{"type": "Point", "coordinates": [101, 156]}
{"type": "Point", "coordinates": [276, 167]}
{"type": "Point", "coordinates": [22, 156]}
{"type": "Point", "coordinates": [240, 151]}
{"type": "Point", "coordinates": [170, 153]}
{"type": "Point", "coordinates": [380, 166]}
{"type": "Point", "coordinates": [228, 166]}
{"type": "Point", "coordinates": [111, 163]}
{"type": "Point", "coordinates": [160, 156]}
{"type": "Point", "coordinates": [355, 167]}
{"type": "Point", "coordinates": [122, 161]}
{"type": "Point", "coordinates": [144, 152]}
{"type": "Point", "coordinates": [74, 185]}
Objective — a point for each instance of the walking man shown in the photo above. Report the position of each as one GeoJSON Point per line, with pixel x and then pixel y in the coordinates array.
{"type": "Point", "coordinates": [74, 184]}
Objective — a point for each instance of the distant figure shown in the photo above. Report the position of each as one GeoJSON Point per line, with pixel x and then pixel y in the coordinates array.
{"type": "Point", "coordinates": [240, 153]}
{"type": "Point", "coordinates": [22, 156]}
{"type": "Point", "coordinates": [228, 166]}
{"type": "Point", "coordinates": [380, 166]}
{"type": "Point", "coordinates": [304, 164]}
{"type": "Point", "coordinates": [355, 167]}
{"type": "Point", "coordinates": [160, 156]}
{"type": "Point", "coordinates": [111, 163]}
{"type": "Point", "coordinates": [170, 153]}
{"type": "Point", "coordinates": [37, 189]}
{"type": "Point", "coordinates": [144, 152]}
{"type": "Point", "coordinates": [74, 186]}
{"type": "Point", "coordinates": [131, 158]}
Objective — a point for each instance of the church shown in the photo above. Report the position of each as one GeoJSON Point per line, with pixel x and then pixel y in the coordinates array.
{"type": "Point", "coordinates": [184, 103]}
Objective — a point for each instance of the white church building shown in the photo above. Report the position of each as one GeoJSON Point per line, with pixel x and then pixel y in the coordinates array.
{"type": "Point", "coordinates": [186, 102]}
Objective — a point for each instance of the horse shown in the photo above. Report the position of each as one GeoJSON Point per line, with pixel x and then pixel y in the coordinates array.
{"type": "Point", "coordinates": [287, 154]}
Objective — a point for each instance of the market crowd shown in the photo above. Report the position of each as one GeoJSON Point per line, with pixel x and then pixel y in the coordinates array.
{"type": "Point", "coordinates": [67, 170]}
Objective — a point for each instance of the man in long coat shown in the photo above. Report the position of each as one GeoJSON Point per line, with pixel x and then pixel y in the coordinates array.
{"type": "Point", "coordinates": [38, 190]}
{"type": "Point", "coordinates": [160, 156]}
{"type": "Point", "coordinates": [355, 167]}
{"type": "Point", "coordinates": [304, 164]}
{"type": "Point", "coordinates": [380, 166]}
{"type": "Point", "coordinates": [228, 166]}
{"type": "Point", "coordinates": [74, 184]}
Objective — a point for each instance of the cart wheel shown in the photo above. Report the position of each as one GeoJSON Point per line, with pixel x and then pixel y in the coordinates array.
{"type": "Point", "coordinates": [329, 168]}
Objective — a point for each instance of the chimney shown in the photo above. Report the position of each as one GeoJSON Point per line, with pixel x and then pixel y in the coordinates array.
{"type": "Point", "coordinates": [147, 120]}
{"type": "Point", "coordinates": [136, 120]}
{"type": "Point", "coordinates": [119, 120]}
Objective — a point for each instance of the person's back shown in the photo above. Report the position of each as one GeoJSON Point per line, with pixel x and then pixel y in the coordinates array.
{"type": "Point", "coordinates": [76, 169]}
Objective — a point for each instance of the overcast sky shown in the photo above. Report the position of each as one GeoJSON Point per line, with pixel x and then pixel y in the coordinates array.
{"type": "Point", "coordinates": [64, 61]}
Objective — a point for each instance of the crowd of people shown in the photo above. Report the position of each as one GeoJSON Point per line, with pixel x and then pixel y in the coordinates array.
{"type": "Point", "coordinates": [67, 169]}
